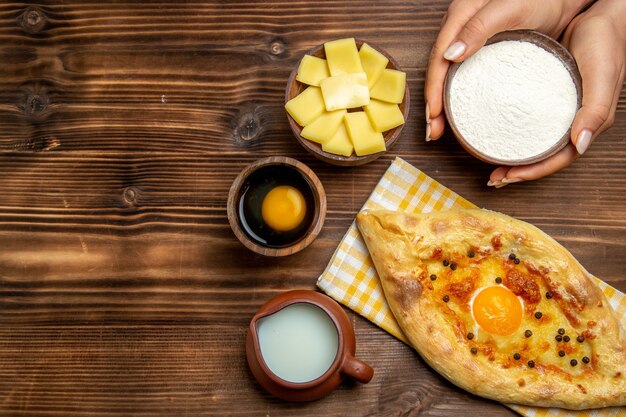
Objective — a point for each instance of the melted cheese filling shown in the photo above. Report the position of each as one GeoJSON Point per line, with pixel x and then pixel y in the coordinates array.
{"type": "Point", "coordinates": [529, 331]}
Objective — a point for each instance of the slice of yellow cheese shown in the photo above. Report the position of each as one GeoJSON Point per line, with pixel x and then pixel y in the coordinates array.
{"type": "Point", "coordinates": [345, 91]}
{"type": "Point", "coordinates": [322, 129]}
{"type": "Point", "coordinates": [312, 70]}
{"type": "Point", "coordinates": [342, 57]}
{"type": "Point", "coordinates": [340, 143]}
{"type": "Point", "coordinates": [373, 63]}
{"type": "Point", "coordinates": [306, 106]}
{"type": "Point", "coordinates": [390, 86]}
{"type": "Point", "coordinates": [362, 134]}
{"type": "Point", "coordinates": [384, 116]}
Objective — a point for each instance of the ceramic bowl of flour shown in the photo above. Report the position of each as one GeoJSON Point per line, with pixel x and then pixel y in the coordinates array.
{"type": "Point", "coordinates": [514, 101]}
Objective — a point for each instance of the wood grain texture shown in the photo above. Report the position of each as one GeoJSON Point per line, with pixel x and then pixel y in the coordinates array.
{"type": "Point", "coordinates": [122, 125]}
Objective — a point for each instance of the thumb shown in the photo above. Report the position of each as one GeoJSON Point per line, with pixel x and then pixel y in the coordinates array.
{"type": "Point", "coordinates": [600, 95]}
{"type": "Point", "coordinates": [488, 21]}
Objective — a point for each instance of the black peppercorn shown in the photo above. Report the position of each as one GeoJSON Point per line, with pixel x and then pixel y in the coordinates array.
{"type": "Point", "coordinates": [453, 266]}
{"type": "Point", "coordinates": [538, 315]}
{"type": "Point", "coordinates": [531, 364]}
{"type": "Point", "coordinates": [585, 359]}
{"type": "Point", "coordinates": [471, 254]}
{"type": "Point", "coordinates": [446, 262]}
{"type": "Point", "coordinates": [561, 331]}
{"type": "Point", "coordinates": [516, 261]}
{"type": "Point", "coordinates": [516, 356]}
{"type": "Point", "coordinates": [580, 339]}
{"type": "Point", "coordinates": [512, 256]}
{"type": "Point", "coordinates": [559, 338]}
{"type": "Point", "coordinates": [573, 362]}
{"type": "Point", "coordinates": [498, 280]}
{"type": "Point", "coordinates": [548, 295]}
{"type": "Point", "coordinates": [561, 353]}
{"type": "Point", "coordinates": [470, 336]}
{"type": "Point", "coordinates": [528, 333]}
{"type": "Point", "coordinates": [446, 298]}
{"type": "Point", "coordinates": [566, 338]}
{"type": "Point", "coordinates": [474, 351]}
{"type": "Point", "coordinates": [433, 277]}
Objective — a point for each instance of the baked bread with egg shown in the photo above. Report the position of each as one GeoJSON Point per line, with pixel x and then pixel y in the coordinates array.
{"type": "Point", "coordinates": [498, 307]}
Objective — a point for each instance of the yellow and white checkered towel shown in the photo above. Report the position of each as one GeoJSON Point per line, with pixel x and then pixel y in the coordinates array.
{"type": "Point", "coordinates": [350, 277]}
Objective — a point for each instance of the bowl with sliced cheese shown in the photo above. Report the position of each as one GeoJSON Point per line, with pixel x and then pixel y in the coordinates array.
{"type": "Point", "coordinates": [347, 101]}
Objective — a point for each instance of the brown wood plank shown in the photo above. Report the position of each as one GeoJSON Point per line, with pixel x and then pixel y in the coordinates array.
{"type": "Point", "coordinates": [123, 124]}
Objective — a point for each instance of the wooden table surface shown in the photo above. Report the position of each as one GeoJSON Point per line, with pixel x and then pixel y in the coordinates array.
{"type": "Point", "coordinates": [122, 125]}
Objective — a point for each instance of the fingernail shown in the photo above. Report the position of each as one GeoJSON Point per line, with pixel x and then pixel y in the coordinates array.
{"type": "Point", "coordinates": [583, 141]}
{"type": "Point", "coordinates": [493, 183]}
{"type": "Point", "coordinates": [511, 180]}
{"type": "Point", "coordinates": [427, 113]}
{"type": "Point", "coordinates": [454, 51]}
{"type": "Point", "coordinates": [502, 184]}
{"type": "Point", "coordinates": [428, 132]}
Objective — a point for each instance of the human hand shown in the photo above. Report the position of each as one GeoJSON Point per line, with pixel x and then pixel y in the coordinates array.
{"type": "Point", "coordinates": [597, 40]}
{"type": "Point", "coordinates": [466, 27]}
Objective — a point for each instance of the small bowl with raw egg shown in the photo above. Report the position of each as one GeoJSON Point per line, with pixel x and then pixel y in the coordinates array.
{"type": "Point", "coordinates": [347, 101]}
{"type": "Point", "coordinates": [276, 206]}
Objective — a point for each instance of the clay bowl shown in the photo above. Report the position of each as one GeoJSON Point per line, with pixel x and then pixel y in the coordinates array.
{"type": "Point", "coordinates": [319, 206]}
{"type": "Point", "coordinates": [344, 365]}
{"type": "Point", "coordinates": [295, 87]}
{"type": "Point", "coordinates": [549, 45]}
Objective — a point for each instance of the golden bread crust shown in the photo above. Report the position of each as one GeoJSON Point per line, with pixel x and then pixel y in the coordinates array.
{"type": "Point", "coordinates": [433, 305]}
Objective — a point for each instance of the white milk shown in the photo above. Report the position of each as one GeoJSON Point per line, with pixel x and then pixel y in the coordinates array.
{"type": "Point", "coordinates": [298, 343]}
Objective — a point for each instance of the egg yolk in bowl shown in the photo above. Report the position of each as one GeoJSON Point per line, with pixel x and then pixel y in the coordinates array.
{"type": "Point", "coordinates": [283, 208]}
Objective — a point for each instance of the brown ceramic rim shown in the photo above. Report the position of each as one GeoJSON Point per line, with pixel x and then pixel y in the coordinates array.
{"type": "Point", "coordinates": [549, 45]}
{"type": "Point", "coordinates": [308, 297]}
{"type": "Point", "coordinates": [294, 87]}
{"type": "Point", "coordinates": [319, 196]}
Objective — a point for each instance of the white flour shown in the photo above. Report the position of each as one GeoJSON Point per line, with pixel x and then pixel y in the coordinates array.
{"type": "Point", "coordinates": [512, 100]}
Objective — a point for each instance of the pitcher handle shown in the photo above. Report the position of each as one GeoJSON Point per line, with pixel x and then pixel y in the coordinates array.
{"type": "Point", "coordinates": [357, 369]}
